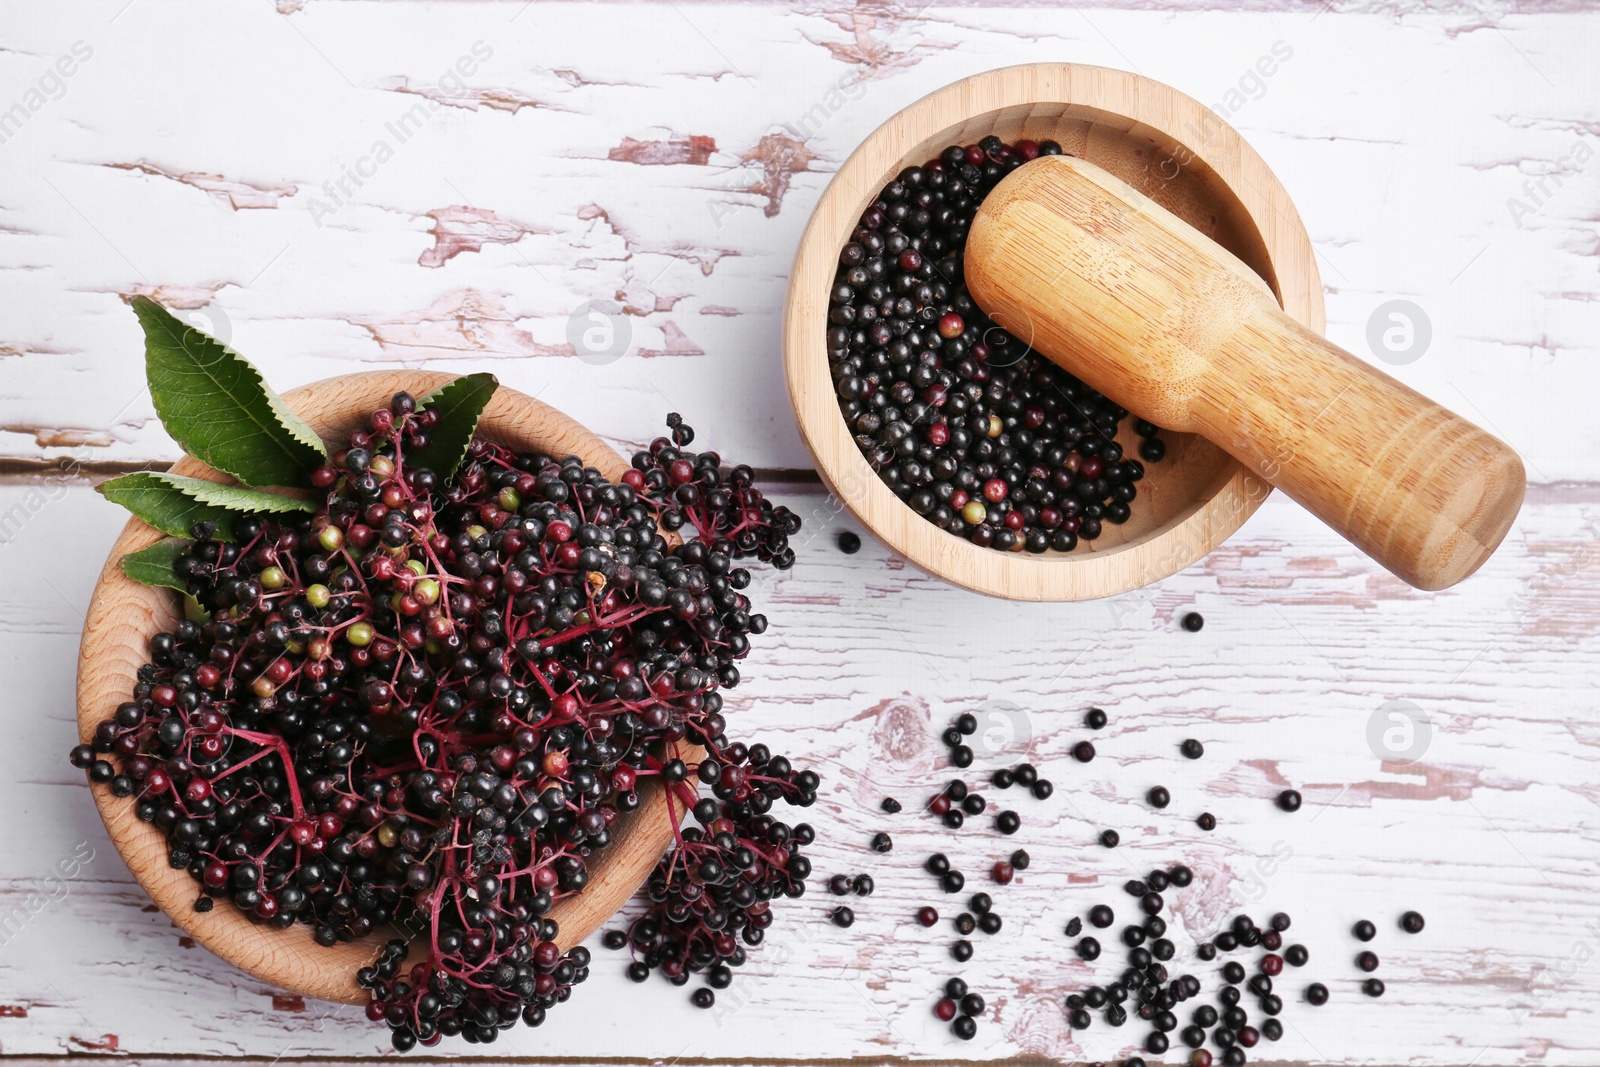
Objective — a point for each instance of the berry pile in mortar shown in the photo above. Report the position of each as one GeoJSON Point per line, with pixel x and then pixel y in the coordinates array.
{"type": "Point", "coordinates": [424, 702]}
{"type": "Point", "coordinates": [974, 430]}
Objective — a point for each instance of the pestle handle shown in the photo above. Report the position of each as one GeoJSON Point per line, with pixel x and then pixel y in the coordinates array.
{"type": "Point", "coordinates": [1172, 326]}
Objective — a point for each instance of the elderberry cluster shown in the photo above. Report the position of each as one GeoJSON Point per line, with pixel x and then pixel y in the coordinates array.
{"type": "Point", "coordinates": [967, 424]}
{"type": "Point", "coordinates": [717, 885]}
{"type": "Point", "coordinates": [426, 705]}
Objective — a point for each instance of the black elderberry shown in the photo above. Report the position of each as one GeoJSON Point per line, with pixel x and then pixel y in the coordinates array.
{"type": "Point", "coordinates": [1364, 930]}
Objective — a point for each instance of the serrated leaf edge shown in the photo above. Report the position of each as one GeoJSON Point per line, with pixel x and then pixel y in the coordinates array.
{"type": "Point", "coordinates": [297, 427]}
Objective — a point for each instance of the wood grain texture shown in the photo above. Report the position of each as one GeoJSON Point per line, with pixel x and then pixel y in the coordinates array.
{"type": "Point", "coordinates": [1161, 318]}
{"type": "Point", "coordinates": [1138, 128]}
{"type": "Point", "coordinates": [123, 615]}
{"type": "Point", "coordinates": [1434, 154]}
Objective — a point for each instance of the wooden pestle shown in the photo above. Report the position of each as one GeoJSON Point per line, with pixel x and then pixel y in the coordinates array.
{"type": "Point", "coordinates": [1169, 324]}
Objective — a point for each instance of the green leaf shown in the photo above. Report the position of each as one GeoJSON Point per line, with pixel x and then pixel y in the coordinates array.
{"type": "Point", "coordinates": [158, 564]}
{"type": "Point", "coordinates": [173, 504]}
{"type": "Point", "coordinates": [216, 405]}
{"type": "Point", "coordinates": [459, 404]}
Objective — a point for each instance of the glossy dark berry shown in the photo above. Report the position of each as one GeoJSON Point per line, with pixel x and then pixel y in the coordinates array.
{"type": "Point", "coordinates": [1158, 796]}
{"type": "Point", "coordinates": [849, 543]}
{"type": "Point", "coordinates": [1364, 930]}
{"type": "Point", "coordinates": [965, 1027]}
{"type": "Point", "coordinates": [937, 864]}
{"type": "Point", "coordinates": [1367, 961]}
{"type": "Point", "coordinates": [927, 916]}
{"type": "Point", "coordinates": [1272, 1030]}
{"type": "Point", "coordinates": [1206, 821]}
{"type": "Point", "coordinates": [1003, 873]}
{"type": "Point", "coordinates": [981, 903]}
{"type": "Point", "coordinates": [1043, 789]}
{"type": "Point", "coordinates": [1088, 948]}
{"type": "Point", "coordinates": [1296, 955]}
{"type": "Point", "coordinates": [961, 951]}
{"type": "Point", "coordinates": [1412, 922]}
{"type": "Point", "coordinates": [1194, 622]}
{"type": "Point", "coordinates": [1192, 749]}
{"type": "Point", "coordinates": [953, 881]}
{"type": "Point", "coordinates": [1101, 916]}
{"type": "Point", "coordinates": [1316, 994]}
{"type": "Point", "coordinates": [1180, 876]}
{"type": "Point", "coordinates": [863, 886]}
{"type": "Point", "coordinates": [1083, 751]}
{"type": "Point", "coordinates": [1280, 921]}
{"type": "Point", "coordinates": [972, 1004]}
{"type": "Point", "coordinates": [839, 885]}
{"type": "Point", "coordinates": [1110, 838]}
{"type": "Point", "coordinates": [1094, 719]}
{"type": "Point", "coordinates": [990, 922]}
{"type": "Point", "coordinates": [843, 916]}
{"type": "Point", "coordinates": [881, 842]}
{"type": "Point", "coordinates": [1020, 859]}
{"type": "Point", "coordinates": [703, 998]}
{"type": "Point", "coordinates": [961, 756]}
{"type": "Point", "coordinates": [944, 1009]}
{"type": "Point", "coordinates": [1008, 822]}
{"type": "Point", "coordinates": [1289, 800]}
{"type": "Point", "coordinates": [1003, 778]}
{"type": "Point", "coordinates": [965, 923]}
{"type": "Point", "coordinates": [974, 804]}
{"type": "Point", "coordinates": [1373, 987]}
{"type": "Point", "coordinates": [890, 805]}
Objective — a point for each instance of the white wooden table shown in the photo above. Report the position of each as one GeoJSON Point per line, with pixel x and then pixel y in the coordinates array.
{"type": "Point", "coordinates": [298, 178]}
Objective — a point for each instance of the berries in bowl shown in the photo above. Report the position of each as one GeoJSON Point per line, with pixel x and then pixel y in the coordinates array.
{"type": "Point", "coordinates": [410, 723]}
{"type": "Point", "coordinates": [968, 453]}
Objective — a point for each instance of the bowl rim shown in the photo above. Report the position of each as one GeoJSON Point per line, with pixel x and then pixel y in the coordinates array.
{"type": "Point", "coordinates": [1113, 97]}
{"type": "Point", "coordinates": [123, 615]}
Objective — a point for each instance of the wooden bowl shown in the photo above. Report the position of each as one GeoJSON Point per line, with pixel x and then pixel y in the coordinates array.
{"type": "Point", "coordinates": [124, 615]}
{"type": "Point", "coordinates": [1167, 146]}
